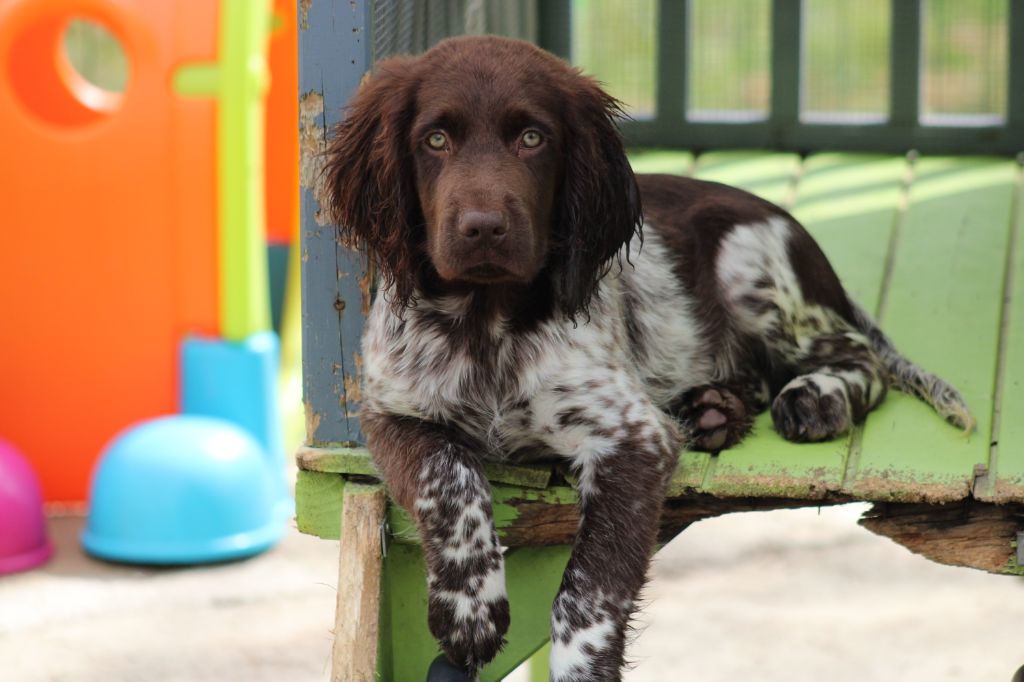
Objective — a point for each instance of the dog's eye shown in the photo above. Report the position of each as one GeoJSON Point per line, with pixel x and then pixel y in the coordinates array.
{"type": "Point", "coordinates": [437, 141]}
{"type": "Point", "coordinates": [531, 139]}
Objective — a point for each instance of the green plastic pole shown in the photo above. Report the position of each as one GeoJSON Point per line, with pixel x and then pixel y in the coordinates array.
{"type": "Point", "coordinates": [244, 32]}
{"type": "Point", "coordinates": [239, 80]}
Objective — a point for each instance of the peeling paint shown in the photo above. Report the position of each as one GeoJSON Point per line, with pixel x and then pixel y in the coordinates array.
{"type": "Point", "coordinates": [312, 420]}
{"type": "Point", "coordinates": [312, 146]}
{"type": "Point", "coordinates": [884, 487]}
{"type": "Point", "coordinates": [354, 381]}
{"type": "Point", "coordinates": [304, 6]}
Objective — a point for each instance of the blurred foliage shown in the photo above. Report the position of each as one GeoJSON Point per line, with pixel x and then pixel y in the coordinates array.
{"type": "Point", "coordinates": [616, 41]}
{"type": "Point", "coordinates": [730, 56]}
{"type": "Point", "coordinates": [846, 50]}
{"type": "Point", "coordinates": [965, 56]}
{"type": "Point", "coordinates": [846, 57]}
{"type": "Point", "coordinates": [96, 54]}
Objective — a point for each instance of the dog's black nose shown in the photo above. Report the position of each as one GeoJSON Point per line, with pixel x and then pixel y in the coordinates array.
{"type": "Point", "coordinates": [482, 226]}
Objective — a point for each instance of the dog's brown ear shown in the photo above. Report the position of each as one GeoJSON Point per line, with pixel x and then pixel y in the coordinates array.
{"type": "Point", "coordinates": [599, 208]}
{"type": "Point", "coordinates": [369, 175]}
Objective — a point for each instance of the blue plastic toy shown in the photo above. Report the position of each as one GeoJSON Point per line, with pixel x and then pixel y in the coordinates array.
{"type": "Point", "coordinates": [237, 381]}
{"type": "Point", "coordinates": [183, 490]}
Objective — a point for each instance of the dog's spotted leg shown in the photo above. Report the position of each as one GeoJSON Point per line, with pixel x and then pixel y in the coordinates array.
{"type": "Point", "coordinates": [623, 459]}
{"type": "Point", "coordinates": [438, 479]}
{"type": "Point", "coordinates": [840, 381]}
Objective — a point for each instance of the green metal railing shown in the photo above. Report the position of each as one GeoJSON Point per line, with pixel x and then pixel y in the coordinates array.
{"type": "Point", "coordinates": [785, 126]}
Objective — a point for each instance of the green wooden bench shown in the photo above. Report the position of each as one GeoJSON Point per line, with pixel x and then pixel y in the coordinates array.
{"type": "Point", "coordinates": [932, 245]}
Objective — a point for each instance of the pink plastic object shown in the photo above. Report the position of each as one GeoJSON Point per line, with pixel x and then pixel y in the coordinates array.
{"type": "Point", "coordinates": [23, 541]}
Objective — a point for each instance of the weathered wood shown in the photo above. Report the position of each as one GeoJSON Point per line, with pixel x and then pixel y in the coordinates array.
{"type": "Point", "coordinates": [969, 533]}
{"type": "Point", "coordinates": [539, 523]}
{"type": "Point", "coordinates": [334, 53]}
{"type": "Point", "coordinates": [356, 461]}
{"type": "Point", "coordinates": [356, 616]}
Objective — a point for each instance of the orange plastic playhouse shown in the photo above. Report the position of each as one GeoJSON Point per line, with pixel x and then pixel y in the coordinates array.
{"type": "Point", "coordinates": [111, 216]}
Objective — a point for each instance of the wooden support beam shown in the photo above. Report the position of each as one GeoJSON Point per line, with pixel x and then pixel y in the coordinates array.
{"type": "Point", "coordinates": [966, 533]}
{"type": "Point", "coordinates": [356, 624]}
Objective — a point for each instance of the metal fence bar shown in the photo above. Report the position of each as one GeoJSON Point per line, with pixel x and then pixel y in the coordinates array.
{"type": "Point", "coordinates": [905, 63]}
{"type": "Point", "coordinates": [334, 53]}
{"type": "Point", "coordinates": [1015, 92]}
{"type": "Point", "coordinates": [784, 130]}
{"type": "Point", "coordinates": [787, 47]}
{"type": "Point", "coordinates": [554, 30]}
{"type": "Point", "coordinates": [811, 137]}
{"type": "Point", "coordinates": [672, 74]}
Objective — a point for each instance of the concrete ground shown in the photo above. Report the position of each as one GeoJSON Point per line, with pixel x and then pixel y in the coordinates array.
{"type": "Point", "coordinates": [791, 596]}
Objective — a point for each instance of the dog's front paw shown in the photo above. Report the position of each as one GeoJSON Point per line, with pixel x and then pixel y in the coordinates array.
{"type": "Point", "coordinates": [812, 408]}
{"type": "Point", "coordinates": [714, 417]}
{"type": "Point", "coordinates": [471, 631]}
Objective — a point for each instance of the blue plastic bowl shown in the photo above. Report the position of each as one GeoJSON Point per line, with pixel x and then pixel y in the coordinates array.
{"type": "Point", "coordinates": [183, 490]}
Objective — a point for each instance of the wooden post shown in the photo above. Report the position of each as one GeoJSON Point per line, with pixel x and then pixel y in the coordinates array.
{"type": "Point", "coordinates": [334, 53]}
{"type": "Point", "coordinates": [357, 615]}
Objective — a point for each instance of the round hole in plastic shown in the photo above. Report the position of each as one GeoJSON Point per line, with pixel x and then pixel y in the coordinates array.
{"type": "Point", "coordinates": [68, 71]}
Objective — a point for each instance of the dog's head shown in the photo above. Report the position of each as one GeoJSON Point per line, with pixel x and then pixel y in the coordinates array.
{"type": "Point", "coordinates": [484, 162]}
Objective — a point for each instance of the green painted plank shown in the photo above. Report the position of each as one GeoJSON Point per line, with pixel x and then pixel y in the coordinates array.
{"type": "Point", "coordinates": [540, 663]}
{"type": "Point", "coordinates": [769, 175]}
{"type": "Point", "coordinates": [942, 310]}
{"type": "Point", "coordinates": [356, 460]}
{"type": "Point", "coordinates": [849, 203]}
{"type": "Point", "coordinates": [318, 503]}
{"type": "Point", "coordinates": [1009, 449]}
{"type": "Point", "coordinates": [532, 575]}
{"type": "Point", "coordinates": [689, 473]}
{"type": "Point", "coordinates": [671, 161]}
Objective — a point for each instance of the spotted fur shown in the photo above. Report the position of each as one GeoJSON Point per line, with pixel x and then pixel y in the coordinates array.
{"type": "Point", "coordinates": [524, 313]}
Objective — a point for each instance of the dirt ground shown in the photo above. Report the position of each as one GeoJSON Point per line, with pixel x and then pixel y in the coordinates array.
{"type": "Point", "coordinates": [790, 596]}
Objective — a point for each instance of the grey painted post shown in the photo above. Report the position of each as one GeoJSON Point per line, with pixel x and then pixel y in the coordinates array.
{"type": "Point", "coordinates": [334, 53]}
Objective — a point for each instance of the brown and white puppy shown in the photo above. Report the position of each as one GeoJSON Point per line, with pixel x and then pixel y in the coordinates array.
{"type": "Point", "coordinates": [528, 308]}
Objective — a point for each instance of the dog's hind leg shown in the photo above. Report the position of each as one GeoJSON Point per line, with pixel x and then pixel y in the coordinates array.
{"type": "Point", "coordinates": [782, 293]}
{"type": "Point", "coordinates": [840, 380]}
